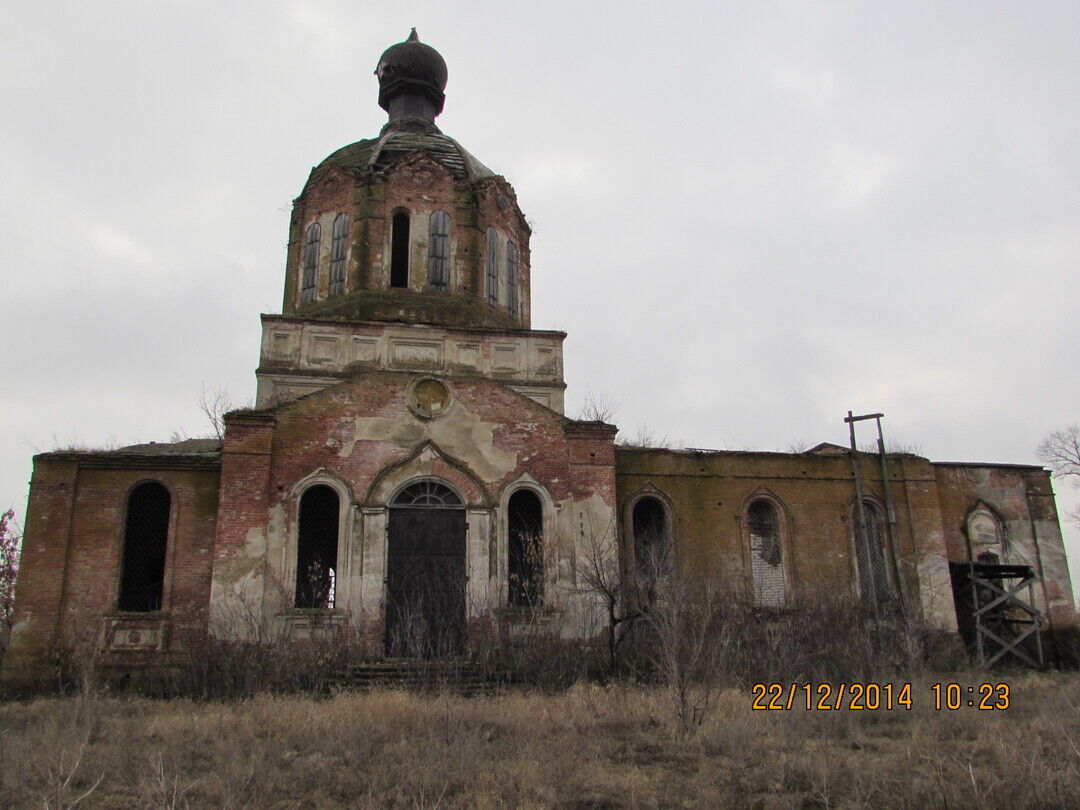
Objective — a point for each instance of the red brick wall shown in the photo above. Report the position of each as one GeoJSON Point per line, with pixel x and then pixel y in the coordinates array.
{"type": "Point", "coordinates": [74, 540]}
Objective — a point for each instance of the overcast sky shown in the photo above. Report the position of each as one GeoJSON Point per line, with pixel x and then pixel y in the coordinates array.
{"type": "Point", "coordinates": [749, 217]}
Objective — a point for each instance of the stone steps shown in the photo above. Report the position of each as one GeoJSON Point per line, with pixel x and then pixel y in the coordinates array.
{"type": "Point", "coordinates": [467, 678]}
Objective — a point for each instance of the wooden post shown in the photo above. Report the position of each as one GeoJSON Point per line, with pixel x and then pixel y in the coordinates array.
{"type": "Point", "coordinates": [860, 514]}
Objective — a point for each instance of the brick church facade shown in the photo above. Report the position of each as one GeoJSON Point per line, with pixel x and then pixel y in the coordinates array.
{"type": "Point", "coordinates": [408, 474]}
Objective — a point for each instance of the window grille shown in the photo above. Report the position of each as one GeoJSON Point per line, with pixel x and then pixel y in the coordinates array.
{"type": "Point", "coordinates": [512, 278]}
{"type": "Point", "coordinates": [311, 263]}
{"type": "Point", "coordinates": [146, 531]}
{"type": "Point", "coordinates": [870, 555]}
{"type": "Point", "coordinates": [427, 493]}
{"type": "Point", "coordinates": [439, 250]}
{"type": "Point", "coordinates": [492, 267]}
{"type": "Point", "coordinates": [339, 247]}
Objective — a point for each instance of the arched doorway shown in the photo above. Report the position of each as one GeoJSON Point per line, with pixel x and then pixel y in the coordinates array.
{"type": "Point", "coordinates": [425, 572]}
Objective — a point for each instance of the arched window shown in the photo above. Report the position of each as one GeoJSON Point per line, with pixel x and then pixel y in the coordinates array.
{"type": "Point", "coordinates": [525, 548]}
{"type": "Point", "coordinates": [766, 554]}
{"type": "Point", "coordinates": [399, 250]}
{"type": "Point", "coordinates": [512, 278]}
{"type": "Point", "coordinates": [871, 555]}
{"type": "Point", "coordinates": [985, 536]}
{"type": "Point", "coordinates": [311, 263]}
{"type": "Point", "coordinates": [317, 547]}
{"type": "Point", "coordinates": [145, 533]}
{"type": "Point", "coordinates": [337, 254]}
{"type": "Point", "coordinates": [650, 537]}
{"type": "Point", "coordinates": [428, 493]}
{"type": "Point", "coordinates": [439, 250]}
{"type": "Point", "coordinates": [492, 264]}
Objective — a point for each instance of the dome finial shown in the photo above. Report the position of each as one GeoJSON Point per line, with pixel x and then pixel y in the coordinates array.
{"type": "Point", "coordinates": [412, 77]}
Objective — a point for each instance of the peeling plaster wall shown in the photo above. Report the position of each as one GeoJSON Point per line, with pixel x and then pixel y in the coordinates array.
{"type": "Point", "coordinates": [1023, 500]}
{"type": "Point", "coordinates": [299, 357]}
{"type": "Point", "coordinates": [709, 493]}
{"type": "Point", "coordinates": [71, 563]}
{"type": "Point", "coordinates": [362, 437]}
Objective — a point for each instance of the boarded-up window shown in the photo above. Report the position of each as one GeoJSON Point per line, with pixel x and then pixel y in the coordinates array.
{"type": "Point", "coordinates": [525, 526]}
{"type": "Point", "coordinates": [512, 278]}
{"type": "Point", "coordinates": [875, 581]}
{"type": "Point", "coordinates": [311, 263]}
{"type": "Point", "coordinates": [339, 247]}
{"type": "Point", "coordinates": [439, 250]}
{"type": "Point", "coordinates": [317, 548]}
{"type": "Point", "coordinates": [146, 531]}
{"type": "Point", "coordinates": [399, 250]}
{"type": "Point", "coordinates": [492, 265]}
{"type": "Point", "coordinates": [766, 557]}
{"type": "Point", "coordinates": [650, 537]}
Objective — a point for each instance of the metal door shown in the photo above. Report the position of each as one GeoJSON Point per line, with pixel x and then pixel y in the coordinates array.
{"type": "Point", "coordinates": [425, 579]}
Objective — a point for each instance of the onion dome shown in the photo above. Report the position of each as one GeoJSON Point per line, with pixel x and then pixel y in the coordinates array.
{"type": "Point", "coordinates": [412, 78]}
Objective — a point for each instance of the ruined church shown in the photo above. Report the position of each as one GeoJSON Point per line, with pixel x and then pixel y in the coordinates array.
{"type": "Point", "coordinates": [408, 474]}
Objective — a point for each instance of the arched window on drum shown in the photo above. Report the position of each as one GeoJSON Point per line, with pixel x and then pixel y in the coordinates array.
{"type": "Point", "coordinates": [439, 250]}
{"type": "Point", "coordinates": [310, 279]}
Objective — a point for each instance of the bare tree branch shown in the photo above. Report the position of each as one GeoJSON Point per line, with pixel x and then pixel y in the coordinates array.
{"type": "Point", "coordinates": [1060, 451]}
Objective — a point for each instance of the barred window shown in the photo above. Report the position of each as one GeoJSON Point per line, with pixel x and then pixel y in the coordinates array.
{"type": "Point", "coordinates": [492, 267]}
{"type": "Point", "coordinates": [439, 250]}
{"type": "Point", "coordinates": [146, 531]}
{"type": "Point", "coordinates": [399, 250]}
{"type": "Point", "coordinates": [311, 263]}
{"type": "Point", "coordinates": [875, 582]}
{"type": "Point", "coordinates": [512, 278]}
{"type": "Point", "coordinates": [337, 254]}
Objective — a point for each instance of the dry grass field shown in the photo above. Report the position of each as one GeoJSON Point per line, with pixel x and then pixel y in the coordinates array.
{"type": "Point", "coordinates": [590, 746]}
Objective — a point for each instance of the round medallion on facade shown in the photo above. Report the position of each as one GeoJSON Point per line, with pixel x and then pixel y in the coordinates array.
{"type": "Point", "coordinates": [429, 397]}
